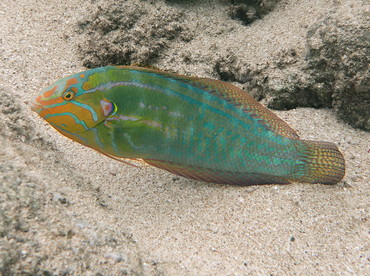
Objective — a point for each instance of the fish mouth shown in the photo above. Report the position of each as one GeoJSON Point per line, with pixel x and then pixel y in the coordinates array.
{"type": "Point", "coordinates": [36, 106]}
{"type": "Point", "coordinates": [39, 109]}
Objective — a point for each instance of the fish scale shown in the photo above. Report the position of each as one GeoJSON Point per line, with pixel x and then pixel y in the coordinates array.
{"type": "Point", "coordinates": [195, 127]}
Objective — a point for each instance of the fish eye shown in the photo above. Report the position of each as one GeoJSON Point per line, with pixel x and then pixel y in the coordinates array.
{"type": "Point", "coordinates": [68, 95]}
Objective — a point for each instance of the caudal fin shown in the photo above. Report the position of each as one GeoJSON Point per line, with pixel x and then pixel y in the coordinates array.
{"type": "Point", "coordinates": [322, 163]}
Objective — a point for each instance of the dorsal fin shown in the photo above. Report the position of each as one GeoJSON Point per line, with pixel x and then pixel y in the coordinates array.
{"type": "Point", "coordinates": [234, 96]}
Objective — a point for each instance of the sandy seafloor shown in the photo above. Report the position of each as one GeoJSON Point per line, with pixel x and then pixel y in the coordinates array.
{"type": "Point", "coordinates": [162, 224]}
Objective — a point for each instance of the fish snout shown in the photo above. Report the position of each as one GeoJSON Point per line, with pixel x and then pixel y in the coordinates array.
{"type": "Point", "coordinates": [36, 106]}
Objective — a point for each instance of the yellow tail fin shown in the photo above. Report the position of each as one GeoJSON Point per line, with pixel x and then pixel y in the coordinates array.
{"type": "Point", "coordinates": [322, 163]}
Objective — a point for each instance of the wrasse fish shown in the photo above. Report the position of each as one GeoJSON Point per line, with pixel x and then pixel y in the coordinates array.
{"type": "Point", "coordinates": [198, 128]}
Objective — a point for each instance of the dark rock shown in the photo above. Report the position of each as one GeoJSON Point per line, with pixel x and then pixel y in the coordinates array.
{"type": "Point", "coordinates": [287, 92]}
{"type": "Point", "coordinates": [119, 32]}
{"type": "Point", "coordinates": [333, 74]}
{"type": "Point", "coordinates": [338, 51]}
{"type": "Point", "coordinates": [247, 14]}
{"type": "Point", "coordinates": [248, 11]}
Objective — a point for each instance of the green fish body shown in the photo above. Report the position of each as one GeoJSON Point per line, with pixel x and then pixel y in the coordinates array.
{"type": "Point", "coordinates": [194, 127]}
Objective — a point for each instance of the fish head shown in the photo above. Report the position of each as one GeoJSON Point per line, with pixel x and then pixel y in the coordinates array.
{"type": "Point", "coordinates": [72, 107]}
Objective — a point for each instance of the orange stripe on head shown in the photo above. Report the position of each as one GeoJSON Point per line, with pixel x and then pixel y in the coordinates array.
{"type": "Point", "coordinates": [81, 113]}
{"type": "Point", "coordinates": [47, 94]}
{"type": "Point", "coordinates": [71, 81]}
{"type": "Point", "coordinates": [38, 98]}
{"type": "Point", "coordinates": [67, 121]}
{"type": "Point", "coordinates": [52, 101]}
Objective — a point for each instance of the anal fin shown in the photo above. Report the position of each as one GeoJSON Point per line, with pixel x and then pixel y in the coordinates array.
{"type": "Point", "coordinates": [216, 176]}
{"type": "Point", "coordinates": [123, 160]}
